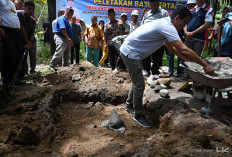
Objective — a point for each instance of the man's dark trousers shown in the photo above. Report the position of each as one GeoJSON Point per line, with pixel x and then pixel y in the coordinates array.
{"type": "Point", "coordinates": [157, 58]}
{"type": "Point", "coordinates": [11, 47]}
{"type": "Point", "coordinates": [76, 46]}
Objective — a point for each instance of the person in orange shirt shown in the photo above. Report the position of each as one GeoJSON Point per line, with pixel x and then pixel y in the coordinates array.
{"type": "Point", "coordinates": [93, 40]}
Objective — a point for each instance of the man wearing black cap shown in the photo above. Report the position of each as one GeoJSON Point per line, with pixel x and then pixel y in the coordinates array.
{"type": "Point", "coordinates": [155, 13]}
{"type": "Point", "coordinates": [63, 35]}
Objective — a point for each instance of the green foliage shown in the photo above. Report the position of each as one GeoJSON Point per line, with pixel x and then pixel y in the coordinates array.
{"type": "Point", "coordinates": [44, 54]}
{"type": "Point", "coordinates": [82, 52]}
{"type": "Point", "coordinates": [165, 60]}
{"type": "Point", "coordinates": [44, 15]}
{"type": "Point", "coordinates": [39, 1]}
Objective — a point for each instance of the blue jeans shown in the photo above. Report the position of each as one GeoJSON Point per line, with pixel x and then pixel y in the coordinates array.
{"type": "Point", "coordinates": [94, 57]}
{"type": "Point", "coordinates": [171, 64]}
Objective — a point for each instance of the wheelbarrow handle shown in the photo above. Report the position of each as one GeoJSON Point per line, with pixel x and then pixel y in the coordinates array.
{"type": "Point", "coordinates": [208, 38]}
{"type": "Point", "coordinates": [207, 33]}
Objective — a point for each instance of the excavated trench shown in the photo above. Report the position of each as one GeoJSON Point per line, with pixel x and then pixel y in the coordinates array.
{"type": "Point", "coordinates": [62, 117]}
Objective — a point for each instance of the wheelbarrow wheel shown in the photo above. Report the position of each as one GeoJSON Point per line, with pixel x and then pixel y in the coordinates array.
{"type": "Point", "coordinates": [199, 91]}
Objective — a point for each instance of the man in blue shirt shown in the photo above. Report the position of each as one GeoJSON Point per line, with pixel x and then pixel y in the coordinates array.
{"type": "Point", "coordinates": [76, 30]}
{"type": "Point", "coordinates": [226, 40]}
{"type": "Point", "coordinates": [63, 39]}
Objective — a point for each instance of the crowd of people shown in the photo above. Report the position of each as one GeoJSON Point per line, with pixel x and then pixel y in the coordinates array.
{"type": "Point", "coordinates": [134, 47]}
{"type": "Point", "coordinates": [17, 27]}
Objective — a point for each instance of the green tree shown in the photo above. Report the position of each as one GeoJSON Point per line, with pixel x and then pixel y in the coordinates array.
{"type": "Point", "coordinates": [39, 1]}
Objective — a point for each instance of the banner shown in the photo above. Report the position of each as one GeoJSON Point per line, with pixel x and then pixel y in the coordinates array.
{"type": "Point", "coordinates": [84, 9]}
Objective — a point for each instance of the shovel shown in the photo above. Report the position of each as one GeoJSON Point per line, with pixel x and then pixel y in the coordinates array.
{"type": "Point", "coordinates": [188, 83]}
{"type": "Point", "coordinates": [20, 65]}
{"type": "Point", "coordinates": [208, 38]}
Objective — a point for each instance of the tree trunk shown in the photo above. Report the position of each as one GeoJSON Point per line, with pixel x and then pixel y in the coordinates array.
{"type": "Point", "coordinates": [52, 16]}
{"type": "Point", "coordinates": [215, 7]}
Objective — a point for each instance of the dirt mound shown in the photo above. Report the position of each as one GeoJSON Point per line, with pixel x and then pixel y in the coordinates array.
{"type": "Point", "coordinates": [94, 84]}
{"type": "Point", "coordinates": [62, 115]}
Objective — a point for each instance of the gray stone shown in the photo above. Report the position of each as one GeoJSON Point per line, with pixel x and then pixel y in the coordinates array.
{"type": "Point", "coordinates": [76, 77]}
{"type": "Point", "coordinates": [115, 120]}
{"type": "Point", "coordinates": [165, 69]}
{"type": "Point", "coordinates": [151, 81]}
{"type": "Point", "coordinates": [163, 86]}
{"type": "Point", "coordinates": [157, 88]}
{"type": "Point", "coordinates": [164, 93]}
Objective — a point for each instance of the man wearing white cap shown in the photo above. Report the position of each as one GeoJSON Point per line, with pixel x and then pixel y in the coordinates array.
{"type": "Point", "coordinates": [191, 4]}
{"type": "Point", "coordinates": [134, 23]}
{"type": "Point", "coordinates": [123, 20]}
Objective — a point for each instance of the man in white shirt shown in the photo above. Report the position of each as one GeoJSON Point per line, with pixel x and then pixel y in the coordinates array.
{"type": "Point", "coordinates": [143, 42]}
{"type": "Point", "coordinates": [10, 25]}
{"type": "Point", "coordinates": [60, 13]}
{"type": "Point", "coordinates": [123, 19]}
{"type": "Point", "coordinates": [134, 24]}
{"type": "Point", "coordinates": [155, 13]}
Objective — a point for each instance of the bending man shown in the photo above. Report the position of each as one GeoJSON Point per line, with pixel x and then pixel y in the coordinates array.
{"type": "Point", "coordinates": [143, 42]}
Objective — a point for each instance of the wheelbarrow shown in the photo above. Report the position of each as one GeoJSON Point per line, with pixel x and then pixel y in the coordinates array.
{"type": "Point", "coordinates": [205, 87]}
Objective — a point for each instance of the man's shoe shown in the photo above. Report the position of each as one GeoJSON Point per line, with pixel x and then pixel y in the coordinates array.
{"type": "Point", "coordinates": [141, 120]}
{"type": "Point", "coordinates": [130, 108]}
{"type": "Point", "coordinates": [32, 72]}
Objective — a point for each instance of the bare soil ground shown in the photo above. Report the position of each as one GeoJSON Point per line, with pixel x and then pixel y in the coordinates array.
{"type": "Point", "coordinates": [56, 115]}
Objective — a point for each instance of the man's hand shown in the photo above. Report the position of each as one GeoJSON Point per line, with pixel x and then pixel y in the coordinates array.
{"type": "Point", "coordinates": [70, 41]}
{"type": "Point", "coordinates": [189, 35]}
{"type": "Point", "coordinates": [2, 33]}
{"type": "Point", "coordinates": [209, 70]}
{"type": "Point", "coordinates": [106, 47]}
{"type": "Point", "coordinates": [29, 46]}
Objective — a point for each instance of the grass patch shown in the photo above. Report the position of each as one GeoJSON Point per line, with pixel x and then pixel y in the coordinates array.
{"type": "Point", "coordinates": [44, 55]}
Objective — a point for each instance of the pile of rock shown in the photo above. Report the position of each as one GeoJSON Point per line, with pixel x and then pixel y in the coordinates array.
{"type": "Point", "coordinates": [159, 84]}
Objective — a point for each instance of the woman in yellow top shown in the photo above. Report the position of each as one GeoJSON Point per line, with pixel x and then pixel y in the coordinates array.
{"type": "Point", "coordinates": [93, 39]}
